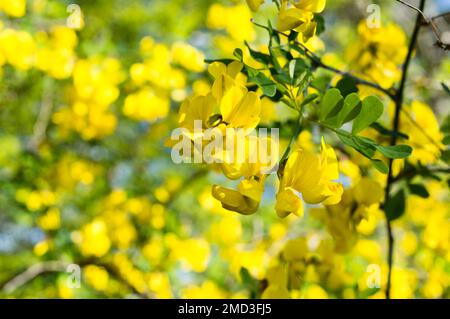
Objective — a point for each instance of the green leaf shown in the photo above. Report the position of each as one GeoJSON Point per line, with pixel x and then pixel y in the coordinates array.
{"type": "Point", "coordinates": [293, 35]}
{"type": "Point", "coordinates": [358, 143]}
{"type": "Point", "coordinates": [446, 140]}
{"type": "Point", "coordinates": [350, 110]}
{"type": "Point", "coordinates": [321, 82]}
{"type": "Point", "coordinates": [396, 151]}
{"type": "Point", "coordinates": [246, 277]}
{"type": "Point", "coordinates": [419, 190]}
{"type": "Point", "coordinates": [292, 69]}
{"type": "Point", "coordinates": [309, 99]}
{"type": "Point", "coordinates": [445, 127]}
{"type": "Point", "coordinates": [249, 282]}
{"type": "Point", "coordinates": [371, 110]}
{"type": "Point", "coordinates": [266, 84]}
{"type": "Point", "coordinates": [445, 87]}
{"type": "Point", "coordinates": [347, 85]}
{"type": "Point", "coordinates": [445, 156]}
{"type": "Point", "coordinates": [320, 21]}
{"type": "Point", "coordinates": [383, 130]}
{"type": "Point", "coordinates": [238, 54]}
{"type": "Point", "coordinates": [380, 166]}
{"type": "Point", "coordinates": [330, 101]}
{"type": "Point", "coordinates": [298, 72]}
{"type": "Point", "coordinates": [259, 56]}
{"type": "Point", "coordinates": [224, 61]}
{"type": "Point", "coordinates": [395, 207]}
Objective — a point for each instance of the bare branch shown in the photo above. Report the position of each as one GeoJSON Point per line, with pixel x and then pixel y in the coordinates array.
{"type": "Point", "coordinates": [430, 22]}
{"type": "Point", "coordinates": [44, 115]}
{"type": "Point", "coordinates": [441, 15]}
{"type": "Point", "coordinates": [396, 124]}
{"type": "Point", "coordinates": [33, 272]}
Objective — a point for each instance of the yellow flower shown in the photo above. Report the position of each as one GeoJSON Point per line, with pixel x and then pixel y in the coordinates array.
{"type": "Point", "coordinates": [420, 124]}
{"type": "Point", "coordinates": [18, 48]}
{"type": "Point", "coordinates": [13, 8]}
{"type": "Point", "coordinates": [378, 54]}
{"type": "Point", "coordinates": [51, 220]}
{"type": "Point", "coordinates": [196, 108]}
{"type": "Point", "coordinates": [42, 247]}
{"type": "Point", "coordinates": [240, 108]}
{"type": "Point", "coordinates": [94, 240]}
{"type": "Point", "coordinates": [225, 77]}
{"type": "Point", "coordinates": [237, 107]}
{"type": "Point", "coordinates": [300, 16]}
{"type": "Point", "coordinates": [368, 192]}
{"type": "Point", "coordinates": [206, 290]}
{"type": "Point", "coordinates": [193, 253]}
{"type": "Point", "coordinates": [236, 20]}
{"type": "Point", "coordinates": [55, 54]}
{"type": "Point", "coordinates": [188, 57]}
{"type": "Point", "coordinates": [244, 201]}
{"type": "Point", "coordinates": [96, 276]}
{"type": "Point", "coordinates": [311, 176]}
{"type": "Point", "coordinates": [252, 161]}
{"type": "Point", "coordinates": [254, 4]}
{"type": "Point", "coordinates": [147, 105]}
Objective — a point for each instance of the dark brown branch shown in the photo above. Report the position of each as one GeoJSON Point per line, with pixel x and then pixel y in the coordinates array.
{"type": "Point", "coordinates": [398, 107]}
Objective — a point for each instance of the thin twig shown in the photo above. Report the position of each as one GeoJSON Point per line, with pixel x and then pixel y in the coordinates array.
{"type": "Point", "coordinates": [32, 272]}
{"type": "Point", "coordinates": [441, 15]}
{"type": "Point", "coordinates": [36, 270]}
{"type": "Point", "coordinates": [43, 119]}
{"type": "Point", "coordinates": [430, 22]}
{"type": "Point", "coordinates": [398, 107]}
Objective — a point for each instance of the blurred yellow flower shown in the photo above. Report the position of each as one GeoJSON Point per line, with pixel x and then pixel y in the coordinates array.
{"type": "Point", "coordinates": [13, 8]}
{"type": "Point", "coordinates": [96, 276]}
{"type": "Point", "coordinates": [94, 240]}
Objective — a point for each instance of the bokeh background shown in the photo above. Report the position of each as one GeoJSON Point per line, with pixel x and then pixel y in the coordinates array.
{"type": "Point", "coordinates": [86, 177]}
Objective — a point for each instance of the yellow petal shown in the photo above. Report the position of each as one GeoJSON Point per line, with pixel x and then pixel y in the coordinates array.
{"type": "Point", "coordinates": [234, 201]}
{"type": "Point", "coordinates": [254, 4]}
{"type": "Point", "coordinates": [315, 6]}
{"type": "Point", "coordinates": [251, 188]}
{"type": "Point", "coordinates": [288, 202]}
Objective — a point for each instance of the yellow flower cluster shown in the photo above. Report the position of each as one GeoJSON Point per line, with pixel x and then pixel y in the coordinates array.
{"type": "Point", "coordinates": [378, 53]}
{"type": "Point", "coordinates": [158, 79]}
{"type": "Point", "coordinates": [342, 219]}
{"type": "Point", "coordinates": [55, 54]}
{"type": "Point", "coordinates": [114, 226]}
{"type": "Point", "coordinates": [51, 52]}
{"type": "Point", "coordinates": [95, 88]}
{"type": "Point", "coordinates": [35, 200]}
{"type": "Point", "coordinates": [306, 260]}
{"type": "Point", "coordinates": [296, 15]}
{"type": "Point", "coordinates": [238, 108]}
{"type": "Point", "coordinates": [420, 124]}
{"type": "Point", "coordinates": [71, 172]}
{"type": "Point", "coordinates": [304, 173]}
{"type": "Point", "coordinates": [235, 20]}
